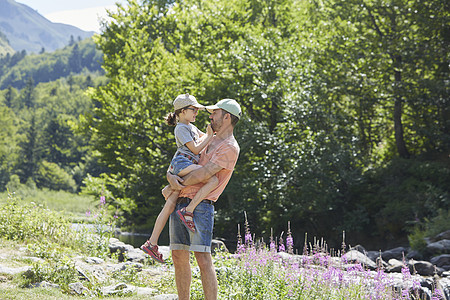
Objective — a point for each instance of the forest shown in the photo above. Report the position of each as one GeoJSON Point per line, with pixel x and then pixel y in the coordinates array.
{"type": "Point", "coordinates": [345, 123]}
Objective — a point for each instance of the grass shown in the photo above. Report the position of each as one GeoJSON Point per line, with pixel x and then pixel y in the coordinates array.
{"type": "Point", "coordinates": [255, 271]}
{"type": "Point", "coordinates": [74, 205]}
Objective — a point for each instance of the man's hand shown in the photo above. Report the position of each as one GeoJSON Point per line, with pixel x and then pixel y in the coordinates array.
{"type": "Point", "coordinates": [175, 181]}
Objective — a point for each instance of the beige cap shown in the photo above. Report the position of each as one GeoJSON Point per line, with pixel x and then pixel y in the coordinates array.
{"type": "Point", "coordinates": [185, 100]}
{"type": "Point", "coordinates": [230, 105]}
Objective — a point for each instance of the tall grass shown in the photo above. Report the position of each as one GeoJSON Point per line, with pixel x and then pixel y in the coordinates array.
{"type": "Point", "coordinates": [73, 205]}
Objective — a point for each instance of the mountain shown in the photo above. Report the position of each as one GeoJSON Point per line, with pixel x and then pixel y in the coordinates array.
{"type": "Point", "coordinates": [5, 48]}
{"type": "Point", "coordinates": [27, 30]}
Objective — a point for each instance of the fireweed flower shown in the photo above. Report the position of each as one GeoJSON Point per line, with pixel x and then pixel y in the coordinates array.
{"type": "Point", "coordinates": [88, 213]}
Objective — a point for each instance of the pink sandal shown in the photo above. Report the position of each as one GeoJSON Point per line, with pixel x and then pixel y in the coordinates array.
{"type": "Point", "coordinates": [188, 223]}
{"type": "Point", "coordinates": [152, 250]}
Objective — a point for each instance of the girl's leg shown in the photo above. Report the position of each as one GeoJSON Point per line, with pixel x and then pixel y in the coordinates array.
{"type": "Point", "coordinates": [209, 185]}
{"type": "Point", "coordinates": [202, 193]}
{"type": "Point", "coordinates": [163, 217]}
{"type": "Point", "coordinates": [166, 191]}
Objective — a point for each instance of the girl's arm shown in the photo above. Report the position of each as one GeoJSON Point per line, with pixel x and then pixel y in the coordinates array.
{"type": "Point", "coordinates": [196, 148]}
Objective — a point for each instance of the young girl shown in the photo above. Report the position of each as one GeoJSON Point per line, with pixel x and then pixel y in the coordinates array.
{"type": "Point", "coordinates": [190, 141]}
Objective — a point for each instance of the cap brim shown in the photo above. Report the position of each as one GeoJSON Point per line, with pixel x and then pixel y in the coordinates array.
{"type": "Point", "coordinates": [199, 106]}
{"type": "Point", "coordinates": [211, 108]}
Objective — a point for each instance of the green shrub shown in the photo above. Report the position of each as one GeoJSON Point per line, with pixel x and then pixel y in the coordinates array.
{"type": "Point", "coordinates": [51, 176]}
{"type": "Point", "coordinates": [31, 221]}
{"type": "Point", "coordinates": [61, 272]}
{"type": "Point", "coordinates": [429, 229]}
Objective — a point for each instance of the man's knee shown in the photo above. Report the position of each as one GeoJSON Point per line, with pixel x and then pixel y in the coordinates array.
{"type": "Point", "coordinates": [180, 256]}
{"type": "Point", "coordinates": [204, 259]}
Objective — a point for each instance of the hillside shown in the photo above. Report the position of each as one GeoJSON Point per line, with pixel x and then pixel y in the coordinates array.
{"type": "Point", "coordinates": [5, 48]}
{"type": "Point", "coordinates": [76, 58]}
{"type": "Point", "coordinates": [27, 30]}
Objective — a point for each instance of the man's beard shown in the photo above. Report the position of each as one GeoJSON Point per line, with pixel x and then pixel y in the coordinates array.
{"type": "Point", "coordinates": [215, 126]}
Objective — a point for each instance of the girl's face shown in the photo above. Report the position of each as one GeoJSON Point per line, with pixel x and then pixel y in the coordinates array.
{"type": "Point", "coordinates": [190, 113]}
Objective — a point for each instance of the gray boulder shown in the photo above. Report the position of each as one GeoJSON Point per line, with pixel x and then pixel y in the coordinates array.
{"type": "Point", "coordinates": [394, 265]}
{"type": "Point", "coordinates": [13, 271]}
{"type": "Point", "coordinates": [442, 236]}
{"type": "Point", "coordinates": [441, 260]}
{"type": "Point", "coordinates": [396, 253]}
{"type": "Point", "coordinates": [217, 246]}
{"type": "Point", "coordinates": [423, 268]}
{"type": "Point", "coordinates": [78, 288]}
{"type": "Point", "coordinates": [442, 246]}
{"type": "Point", "coordinates": [354, 256]}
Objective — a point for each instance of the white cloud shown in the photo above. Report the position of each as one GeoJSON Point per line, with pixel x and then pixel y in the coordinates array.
{"type": "Point", "coordinates": [87, 19]}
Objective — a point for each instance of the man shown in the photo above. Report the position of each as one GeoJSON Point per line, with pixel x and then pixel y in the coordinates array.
{"type": "Point", "coordinates": [217, 159]}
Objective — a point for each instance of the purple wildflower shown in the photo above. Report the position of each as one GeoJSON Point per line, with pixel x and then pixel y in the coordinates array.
{"type": "Point", "coordinates": [88, 213]}
{"type": "Point", "coordinates": [102, 200]}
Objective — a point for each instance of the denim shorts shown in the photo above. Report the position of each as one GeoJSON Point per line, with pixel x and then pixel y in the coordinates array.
{"type": "Point", "coordinates": [178, 163]}
{"type": "Point", "coordinates": [200, 240]}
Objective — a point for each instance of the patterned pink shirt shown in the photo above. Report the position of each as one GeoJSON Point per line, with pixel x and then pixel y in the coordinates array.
{"type": "Point", "coordinates": [224, 155]}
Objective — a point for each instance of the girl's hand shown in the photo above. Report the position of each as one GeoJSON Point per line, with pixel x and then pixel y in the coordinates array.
{"type": "Point", "coordinates": [209, 130]}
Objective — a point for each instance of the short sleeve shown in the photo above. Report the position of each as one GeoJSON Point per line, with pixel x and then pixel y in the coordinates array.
{"type": "Point", "coordinates": [226, 156]}
{"type": "Point", "coordinates": [183, 134]}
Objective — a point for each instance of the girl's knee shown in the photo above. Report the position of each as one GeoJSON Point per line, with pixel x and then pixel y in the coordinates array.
{"type": "Point", "coordinates": [214, 180]}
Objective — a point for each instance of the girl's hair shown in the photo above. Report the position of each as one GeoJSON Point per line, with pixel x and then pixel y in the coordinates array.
{"type": "Point", "coordinates": [171, 118]}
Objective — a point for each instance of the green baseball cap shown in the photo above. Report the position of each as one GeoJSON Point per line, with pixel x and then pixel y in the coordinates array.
{"type": "Point", "coordinates": [230, 105]}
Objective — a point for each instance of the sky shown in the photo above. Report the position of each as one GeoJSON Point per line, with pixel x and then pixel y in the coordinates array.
{"type": "Point", "coordinates": [83, 14]}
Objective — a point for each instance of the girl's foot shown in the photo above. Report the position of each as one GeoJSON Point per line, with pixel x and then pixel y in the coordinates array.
{"type": "Point", "coordinates": [166, 191]}
{"type": "Point", "coordinates": [152, 250]}
{"type": "Point", "coordinates": [187, 218]}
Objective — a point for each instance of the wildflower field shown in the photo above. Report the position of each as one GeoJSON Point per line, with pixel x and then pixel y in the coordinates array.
{"type": "Point", "coordinates": [255, 271]}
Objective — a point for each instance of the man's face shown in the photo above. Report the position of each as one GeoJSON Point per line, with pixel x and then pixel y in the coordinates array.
{"type": "Point", "coordinates": [216, 120]}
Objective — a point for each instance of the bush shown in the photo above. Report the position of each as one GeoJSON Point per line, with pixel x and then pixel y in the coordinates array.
{"type": "Point", "coordinates": [51, 176]}
{"type": "Point", "coordinates": [429, 229]}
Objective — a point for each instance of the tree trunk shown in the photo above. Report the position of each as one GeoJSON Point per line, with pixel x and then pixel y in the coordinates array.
{"type": "Point", "coordinates": [398, 126]}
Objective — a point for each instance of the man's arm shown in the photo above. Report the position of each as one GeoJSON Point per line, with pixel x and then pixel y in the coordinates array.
{"type": "Point", "coordinates": [196, 176]}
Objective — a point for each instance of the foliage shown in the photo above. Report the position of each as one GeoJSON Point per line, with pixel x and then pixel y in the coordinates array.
{"type": "Point", "coordinates": [33, 222]}
{"type": "Point", "coordinates": [50, 175]}
{"type": "Point", "coordinates": [332, 91]}
{"type": "Point", "coordinates": [61, 272]}
{"type": "Point", "coordinates": [45, 67]}
{"type": "Point", "coordinates": [427, 229]}
{"type": "Point", "coordinates": [43, 141]}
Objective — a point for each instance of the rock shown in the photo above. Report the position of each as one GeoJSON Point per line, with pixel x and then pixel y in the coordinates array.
{"type": "Point", "coordinates": [290, 257]}
{"type": "Point", "coordinates": [396, 253]}
{"type": "Point", "coordinates": [82, 274]}
{"type": "Point", "coordinates": [444, 285]}
{"type": "Point", "coordinates": [13, 271]}
{"type": "Point", "coordinates": [165, 297]}
{"type": "Point", "coordinates": [145, 291]}
{"type": "Point", "coordinates": [442, 246]}
{"type": "Point", "coordinates": [135, 255]}
{"type": "Point", "coordinates": [373, 255]}
{"type": "Point", "coordinates": [217, 246]}
{"type": "Point", "coordinates": [135, 265]}
{"type": "Point", "coordinates": [117, 289]}
{"type": "Point", "coordinates": [442, 236]}
{"type": "Point", "coordinates": [94, 260]}
{"type": "Point", "coordinates": [394, 265]}
{"type": "Point", "coordinates": [78, 288]}
{"type": "Point", "coordinates": [165, 251]}
{"type": "Point", "coordinates": [441, 260]}
{"type": "Point", "coordinates": [414, 255]}
{"type": "Point", "coordinates": [359, 248]}
{"type": "Point", "coordinates": [423, 268]}
{"type": "Point", "coordinates": [3, 278]}
{"type": "Point", "coordinates": [358, 257]}
{"type": "Point", "coordinates": [44, 284]}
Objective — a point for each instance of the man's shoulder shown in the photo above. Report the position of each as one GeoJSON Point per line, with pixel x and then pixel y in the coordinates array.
{"type": "Point", "coordinates": [229, 145]}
